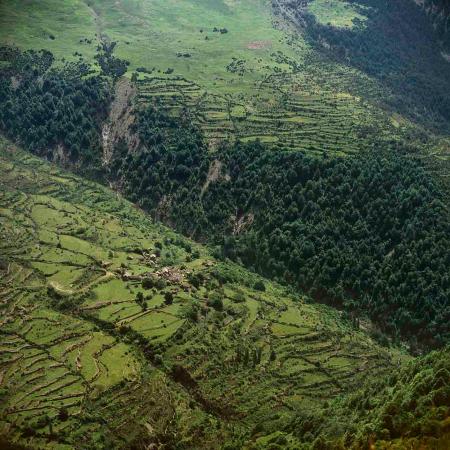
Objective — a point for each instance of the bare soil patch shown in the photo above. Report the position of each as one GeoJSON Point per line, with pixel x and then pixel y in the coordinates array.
{"type": "Point", "coordinates": [259, 45]}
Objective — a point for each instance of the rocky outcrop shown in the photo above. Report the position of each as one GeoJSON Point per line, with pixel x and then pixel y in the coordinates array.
{"type": "Point", "coordinates": [120, 119]}
{"type": "Point", "coordinates": [293, 11]}
{"type": "Point", "coordinates": [439, 13]}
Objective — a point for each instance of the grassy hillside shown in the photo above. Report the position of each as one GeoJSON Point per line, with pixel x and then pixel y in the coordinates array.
{"type": "Point", "coordinates": [116, 332]}
{"type": "Point", "coordinates": [367, 232]}
{"type": "Point", "coordinates": [56, 26]}
{"type": "Point", "coordinates": [105, 312]}
{"type": "Point", "coordinates": [338, 13]}
{"type": "Point", "coordinates": [247, 70]}
{"type": "Point", "coordinates": [242, 71]}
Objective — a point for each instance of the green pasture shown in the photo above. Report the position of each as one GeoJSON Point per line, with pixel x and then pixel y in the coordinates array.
{"type": "Point", "coordinates": [338, 13]}
{"type": "Point", "coordinates": [57, 26]}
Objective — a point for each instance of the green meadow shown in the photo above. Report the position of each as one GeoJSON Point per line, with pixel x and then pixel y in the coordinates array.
{"type": "Point", "coordinates": [242, 72]}
{"type": "Point", "coordinates": [337, 13]}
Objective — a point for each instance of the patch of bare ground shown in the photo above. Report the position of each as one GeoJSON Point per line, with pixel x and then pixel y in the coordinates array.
{"type": "Point", "coordinates": [15, 82]}
{"type": "Point", "coordinates": [164, 208]}
{"type": "Point", "coordinates": [241, 222]}
{"type": "Point", "coordinates": [120, 119]}
{"type": "Point", "coordinates": [61, 156]}
{"type": "Point", "coordinates": [214, 175]}
{"type": "Point", "coordinates": [292, 11]}
{"type": "Point", "coordinates": [259, 45]}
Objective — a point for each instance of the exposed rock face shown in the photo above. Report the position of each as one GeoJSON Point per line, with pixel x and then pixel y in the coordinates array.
{"type": "Point", "coordinates": [120, 119]}
{"type": "Point", "coordinates": [439, 13]}
{"type": "Point", "coordinates": [214, 175]}
{"type": "Point", "coordinates": [291, 10]}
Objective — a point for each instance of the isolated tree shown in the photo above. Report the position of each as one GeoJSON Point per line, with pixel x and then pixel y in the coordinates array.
{"type": "Point", "coordinates": [168, 298]}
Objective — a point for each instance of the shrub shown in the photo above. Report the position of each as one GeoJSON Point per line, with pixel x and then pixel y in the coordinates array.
{"type": "Point", "coordinates": [260, 286]}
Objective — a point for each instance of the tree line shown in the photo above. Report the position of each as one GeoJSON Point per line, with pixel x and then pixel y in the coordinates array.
{"type": "Point", "coordinates": [46, 109]}
{"type": "Point", "coordinates": [387, 47]}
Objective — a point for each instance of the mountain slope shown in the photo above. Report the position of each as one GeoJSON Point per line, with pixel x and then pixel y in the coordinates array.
{"type": "Point", "coordinates": [382, 249]}
{"type": "Point", "coordinates": [306, 141]}
{"type": "Point", "coordinates": [247, 70]}
{"type": "Point", "coordinates": [384, 40]}
{"type": "Point", "coordinates": [408, 409]}
{"type": "Point", "coordinates": [242, 71]}
{"type": "Point", "coordinates": [105, 312]}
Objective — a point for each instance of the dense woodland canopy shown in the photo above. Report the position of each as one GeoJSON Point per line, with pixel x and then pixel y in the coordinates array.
{"type": "Point", "coordinates": [439, 12]}
{"type": "Point", "coordinates": [44, 108]}
{"type": "Point", "coordinates": [369, 233]}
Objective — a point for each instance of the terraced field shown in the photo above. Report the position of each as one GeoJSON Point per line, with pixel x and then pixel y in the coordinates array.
{"type": "Point", "coordinates": [104, 312]}
{"type": "Point", "coordinates": [284, 111]}
{"type": "Point", "coordinates": [116, 332]}
{"type": "Point", "coordinates": [241, 68]}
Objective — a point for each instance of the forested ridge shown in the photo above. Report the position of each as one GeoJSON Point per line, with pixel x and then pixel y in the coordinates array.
{"type": "Point", "coordinates": [369, 233]}
{"type": "Point", "coordinates": [245, 352]}
{"type": "Point", "coordinates": [408, 409]}
{"type": "Point", "coordinates": [52, 112]}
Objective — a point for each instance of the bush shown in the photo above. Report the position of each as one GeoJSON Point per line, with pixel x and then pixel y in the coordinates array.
{"type": "Point", "coordinates": [160, 284]}
{"type": "Point", "coordinates": [260, 286]}
{"type": "Point", "coordinates": [239, 297]}
{"type": "Point", "coordinates": [168, 298]}
{"type": "Point", "coordinates": [148, 283]}
{"type": "Point", "coordinates": [216, 303]}
{"type": "Point", "coordinates": [190, 311]}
